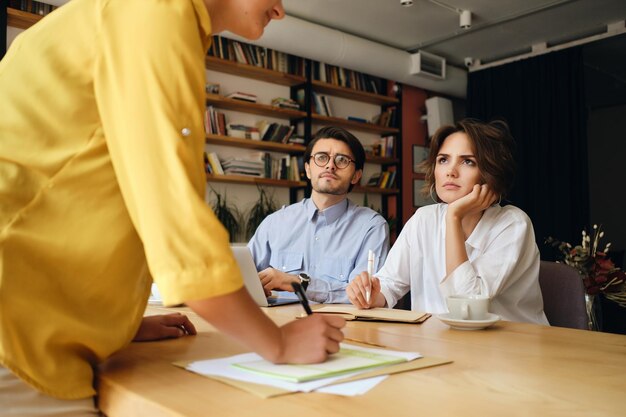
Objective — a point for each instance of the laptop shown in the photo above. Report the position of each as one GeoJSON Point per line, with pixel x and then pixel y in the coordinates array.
{"type": "Point", "coordinates": [253, 283]}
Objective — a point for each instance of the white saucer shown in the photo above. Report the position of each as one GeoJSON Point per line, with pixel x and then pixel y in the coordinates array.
{"type": "Point", "coordinates": [469, 324]}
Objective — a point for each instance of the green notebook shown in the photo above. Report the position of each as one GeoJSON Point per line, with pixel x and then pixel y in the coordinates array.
{"type": "Point", "coordinates": [345, 361]}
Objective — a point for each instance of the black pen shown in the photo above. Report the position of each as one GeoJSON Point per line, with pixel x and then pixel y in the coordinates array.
{"type": "Point", "coordinates": [297, 288]}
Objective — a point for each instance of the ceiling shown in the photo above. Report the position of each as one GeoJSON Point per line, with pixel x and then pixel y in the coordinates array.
{"type": "Point", "coordinates": [500, 28]}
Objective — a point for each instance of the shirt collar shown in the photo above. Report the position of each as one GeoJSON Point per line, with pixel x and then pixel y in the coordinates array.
{"type": "Point", "coordinates": [204, 23]}
{"type": "Point", "coordinates": [479, 235]}
{"type": "Point", "coordinates": [332, 213]}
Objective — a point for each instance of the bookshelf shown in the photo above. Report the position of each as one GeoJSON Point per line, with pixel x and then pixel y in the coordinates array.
{"type": "Point", "coordinates": [255, 144]}
{"type": "Point", "coordinates": [244, 179]}
{"type": "Point", "coordinates": [253, 108]}
{"type": "Point", "coordinates": [331, 81]}
{"type": "Point", "coordinates": [297, 76]}
{"type": "Point", "coordinates": [21, 19]}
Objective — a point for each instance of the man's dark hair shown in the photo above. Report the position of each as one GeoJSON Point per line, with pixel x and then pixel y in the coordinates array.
{"type": "Point", "coordinates": [493, 148]}
{"type": "Point", "coordinates": [337, 133]}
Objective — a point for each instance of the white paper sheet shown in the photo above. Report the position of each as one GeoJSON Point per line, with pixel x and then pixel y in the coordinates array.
{"type": "Point", "coordinates": [223, 367]}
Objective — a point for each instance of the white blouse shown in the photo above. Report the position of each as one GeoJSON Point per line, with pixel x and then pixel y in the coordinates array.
{"type": "Point", "coordinates": [502, 253]}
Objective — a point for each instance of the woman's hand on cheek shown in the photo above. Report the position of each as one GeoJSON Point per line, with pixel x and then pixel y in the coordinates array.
{"type": "Point", "coordinates": [478, 200]}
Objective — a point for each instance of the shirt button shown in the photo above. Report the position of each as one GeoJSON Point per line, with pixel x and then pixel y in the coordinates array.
{"type": "Point", "coordinates": [317, 238]}
{"type": "Point", "coordinates": [186, 131]}
{"type": "Point", "coordinates": [284, 267]}
{"type": "Point", "coordinates": [340, 275]}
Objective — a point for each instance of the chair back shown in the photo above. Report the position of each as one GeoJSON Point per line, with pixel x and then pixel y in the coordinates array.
{"type": "Point", "coordinates": [563, 294]}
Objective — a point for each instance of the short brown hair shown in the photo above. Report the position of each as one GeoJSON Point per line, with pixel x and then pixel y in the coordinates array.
{"type": "Point", "coordinates": [493, 148]}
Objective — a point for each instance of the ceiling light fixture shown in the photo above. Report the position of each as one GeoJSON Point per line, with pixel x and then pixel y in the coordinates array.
{"type": "Point", "coordinates": [465, 19]}
{"type": "Point", "coordinates": [406, 3]}
{"type": "Point", "coordinates": [465, 16]}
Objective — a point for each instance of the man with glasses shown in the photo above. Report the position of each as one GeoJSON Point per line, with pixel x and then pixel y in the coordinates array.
{"type": "Point", "coordinates": [322, 242]}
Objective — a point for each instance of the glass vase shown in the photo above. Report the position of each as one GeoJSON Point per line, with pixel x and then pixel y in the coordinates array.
{"type": "Point", "coordinates": [591, 303]}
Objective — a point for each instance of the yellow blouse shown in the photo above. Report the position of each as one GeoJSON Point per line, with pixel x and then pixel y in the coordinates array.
{"type": "Point", "coordinates": [102, 183]}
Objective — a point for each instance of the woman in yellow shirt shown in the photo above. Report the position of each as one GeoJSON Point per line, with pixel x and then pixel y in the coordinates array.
{"type": "Point", "coordinates": [102, 185]}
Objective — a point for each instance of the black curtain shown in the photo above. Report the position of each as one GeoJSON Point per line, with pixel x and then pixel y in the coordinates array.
{"type": "Point", "coordinates": [543, 101]}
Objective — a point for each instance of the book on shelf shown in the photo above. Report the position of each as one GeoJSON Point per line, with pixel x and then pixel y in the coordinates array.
{"type": "Point", "coordinates": [357, 119]}
{"type": "Point", "coordinates": [285, 103]}
{"type": "Point", "coordinates": [207, 164]}
{"type": "Point", "coordinates": [386, 118]}
{"type": "Point", "coordinates": [216, 165]}
{"type": "Point", "coordinates": [383, 147]}
{"type": "Point", "coordinates": [242, 131]}
{"type": "Point", "coordinates": [275, 132]}
{"type": "Point", "coordinates": [374, 180]}
{"type": "Point", "coordinates": [244, 166]}
{"type": "Point", "coordinates": [238, 95]}
{"type": "Point", "coordinates": [214, 121]}
{"type": "Point", "coordinates": [342, 77]}
{"type": "Point", "coordinates": [296, 139]}
{"type": "Point", "coordinates": [258, 56]}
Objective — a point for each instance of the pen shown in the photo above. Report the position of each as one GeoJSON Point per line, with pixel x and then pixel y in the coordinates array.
{"type": "Point", "coordinates": [370, 271]}
{"type": "Point", "coordinates": [297, 288]}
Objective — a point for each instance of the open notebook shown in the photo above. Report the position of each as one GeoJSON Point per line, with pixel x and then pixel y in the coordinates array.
{"type": "Point", "coordinates": [350, 312]}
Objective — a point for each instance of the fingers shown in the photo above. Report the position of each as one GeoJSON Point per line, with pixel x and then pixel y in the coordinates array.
{"type": "Point", "coordinates": [177, 321]}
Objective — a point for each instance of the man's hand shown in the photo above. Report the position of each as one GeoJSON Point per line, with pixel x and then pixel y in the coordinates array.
{"type": "Point", "coordinates": [164, 326]}
{"type": "Point", "coordinates": [273, 279]}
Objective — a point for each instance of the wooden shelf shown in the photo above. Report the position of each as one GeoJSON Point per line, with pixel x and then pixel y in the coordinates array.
{"type": "Point", "coordinates": [349, 124]}
{"type": "Point", "coordinates": [352, 94]}
{"type": "Point", "coordinates": [253, 108]}
{"type": "Point", "coordinates": [290, 148]}
{"type": "Point", "coordinates": [21, 19]}
{"type": "Point", "coordinates": [250, 71]}
{"type": "Point", "coordinates": [382, 160]}
{"type": "Point", "coordinates": [374, 190]}
{"type": "Point", "coordinates": [243, 179]}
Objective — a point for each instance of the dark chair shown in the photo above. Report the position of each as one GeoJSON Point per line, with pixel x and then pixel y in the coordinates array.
{"type": "Point", "coordinates": [563, 295]}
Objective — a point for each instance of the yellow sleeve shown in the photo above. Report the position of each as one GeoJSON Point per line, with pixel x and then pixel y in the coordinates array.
{"type": "Point", "coordinates": [149, 87]}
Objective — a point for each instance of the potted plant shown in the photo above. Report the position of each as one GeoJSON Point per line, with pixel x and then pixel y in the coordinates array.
{"type": "Point", "coordinates": [228, 215]}
{"type": "Point", "coordinates": [264, 206]}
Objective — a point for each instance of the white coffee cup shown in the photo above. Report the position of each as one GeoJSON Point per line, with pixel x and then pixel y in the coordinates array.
{"type": "Point", "coordinates": [468, 307]}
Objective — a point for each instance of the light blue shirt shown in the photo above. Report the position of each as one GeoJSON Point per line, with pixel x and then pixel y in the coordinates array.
{"type": "Point", "coordinates": [331, 246]}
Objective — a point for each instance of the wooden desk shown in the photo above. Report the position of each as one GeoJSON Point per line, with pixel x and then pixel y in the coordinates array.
{"type": "Point", "coordinates": [511, 369]}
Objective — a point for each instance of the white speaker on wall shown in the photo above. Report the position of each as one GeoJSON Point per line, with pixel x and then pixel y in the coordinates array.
{"type": "Point", "coordinates": [438, 113]}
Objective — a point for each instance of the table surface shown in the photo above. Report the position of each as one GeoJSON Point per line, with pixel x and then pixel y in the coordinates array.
{"type": "Point", "coordinates": [512, 369]}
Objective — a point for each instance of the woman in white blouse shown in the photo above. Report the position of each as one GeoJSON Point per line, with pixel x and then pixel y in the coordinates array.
{"type": "Point", "coordinates": [450, 247]}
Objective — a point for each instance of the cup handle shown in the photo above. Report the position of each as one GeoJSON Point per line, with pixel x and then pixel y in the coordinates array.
{"type": "Point", "coordinates": [465, 311]}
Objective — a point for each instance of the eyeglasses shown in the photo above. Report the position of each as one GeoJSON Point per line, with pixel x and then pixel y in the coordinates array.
{"type": "Point", "coordinates": [341, 161]}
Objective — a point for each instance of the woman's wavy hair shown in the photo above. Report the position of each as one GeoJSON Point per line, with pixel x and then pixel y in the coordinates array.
{"type": "Point", "coordinates": [493, 148]}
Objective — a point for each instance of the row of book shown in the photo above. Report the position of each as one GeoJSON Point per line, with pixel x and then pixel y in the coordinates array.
{"type": "Point", "coordinates": [383, 147]}
{"type": "Point", "coordinates": [342, 77]}
{"type": "Point", "coordinates": [214, 121]}
{"type": "Point", "coordinates": [320, 103]}
{"type": "Point", "coordinates": [387, 118]}
{"type": "Point", "coordinates": [32, 6]}
{"type": "Point", "coordinates": [264, 165]}
{"type": "Point", "coordinates": [257, 56]}
{"type": "Point", "coordinates": [385, 179]}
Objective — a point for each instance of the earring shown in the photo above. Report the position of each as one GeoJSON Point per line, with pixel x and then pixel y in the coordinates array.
{"type": "Point", "coordinates": [432, 187]}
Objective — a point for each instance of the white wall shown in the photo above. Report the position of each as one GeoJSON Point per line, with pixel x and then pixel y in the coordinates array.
{"type": "Point", "coordinates": [607, 173]}
{"type": "Point", "coordinates": [11, 34]}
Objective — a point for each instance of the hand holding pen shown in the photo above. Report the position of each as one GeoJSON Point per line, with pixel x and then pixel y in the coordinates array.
{"type": "Point", "coordinates": [364, 290]}
{"type": "Point", "coordinates": [370, 272]}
